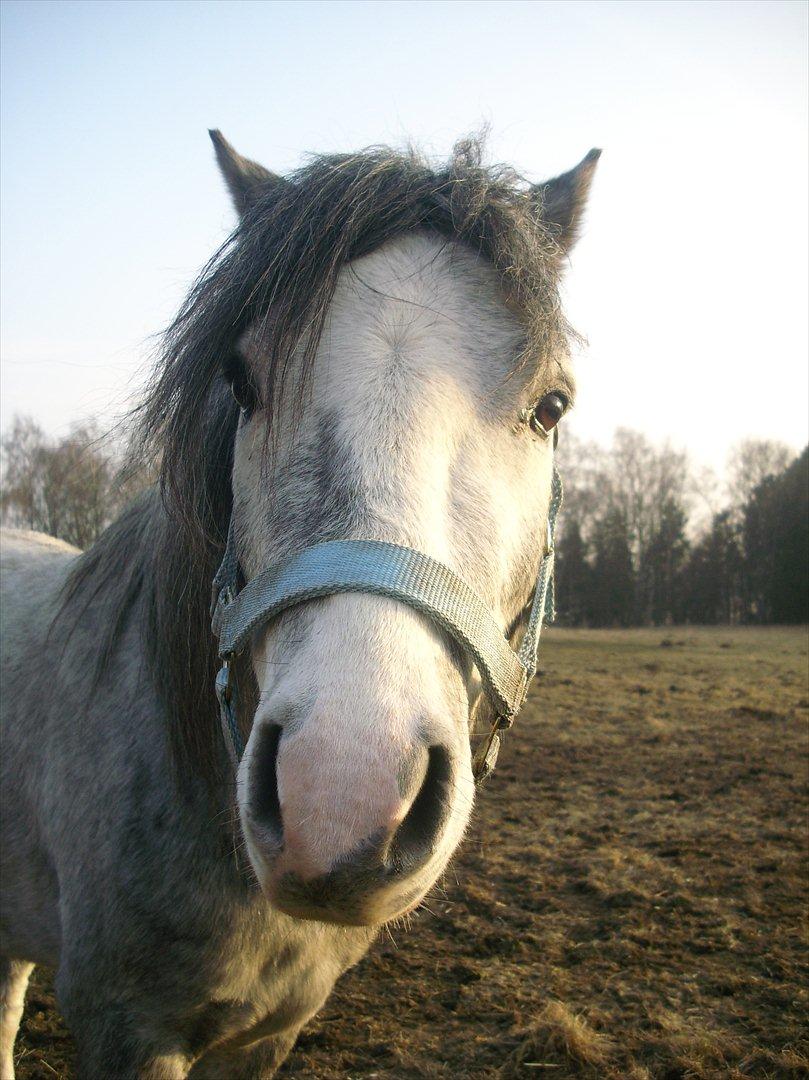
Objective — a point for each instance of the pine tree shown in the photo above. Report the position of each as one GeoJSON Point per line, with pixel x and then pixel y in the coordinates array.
{"type": "Point", "coordinates": [712, 579]}
{"type": "Point", "coordinates": [613, 587]}
{"type": "Point", "coordinates": [574, 577]}
{"type": "Point", "coordinates": [664, 561]}
{"type": "Point", "coordinates": [776, 546]}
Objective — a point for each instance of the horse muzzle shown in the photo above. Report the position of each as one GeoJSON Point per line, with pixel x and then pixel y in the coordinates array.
{"type": "Point", "coordinates": [348, 835]}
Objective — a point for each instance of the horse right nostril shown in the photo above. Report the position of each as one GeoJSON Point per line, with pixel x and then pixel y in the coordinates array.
{"type": "Point", "coordinates": [417, 836]}
{"type": "Point", "coordinates": [265, 807]}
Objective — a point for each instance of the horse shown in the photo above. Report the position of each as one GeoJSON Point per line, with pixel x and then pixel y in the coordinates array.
{"type": "Point", "coordinates": [376, 353]}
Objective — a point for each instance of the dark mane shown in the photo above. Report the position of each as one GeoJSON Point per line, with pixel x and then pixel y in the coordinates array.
{"type": "Point", "coordinates": [277, 272]}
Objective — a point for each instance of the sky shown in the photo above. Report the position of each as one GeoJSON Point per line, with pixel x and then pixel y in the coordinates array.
{"type": "Point", "coordinates": [690, 281]}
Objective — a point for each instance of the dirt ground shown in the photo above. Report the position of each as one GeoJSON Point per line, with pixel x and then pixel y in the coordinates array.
{"type": "Point", "coordinates": [630, 901]}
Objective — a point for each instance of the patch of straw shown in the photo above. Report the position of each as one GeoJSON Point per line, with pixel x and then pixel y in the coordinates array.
{"type": "Point", "coordinates": [559, 1037]}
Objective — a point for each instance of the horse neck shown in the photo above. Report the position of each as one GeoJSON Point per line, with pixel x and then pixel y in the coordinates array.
{"type": "Point", "coordinates": [144, 573]}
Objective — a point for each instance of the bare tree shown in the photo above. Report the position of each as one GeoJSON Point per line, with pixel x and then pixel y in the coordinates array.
{"type": "Point", "coordinates": [583, 467]}
{"type": "Point", "coordinates": [643, 480]}
{"type": "Point", "coordinates": [66, 487]}
{"type": "Point", "coordinates": [749, 462]}
{"type": "Point", "coordinates": [706, 497]}
{"type": "Point", "coordinates": [21, 449]}
{"type": "Point", "coordinates": [642, 489]}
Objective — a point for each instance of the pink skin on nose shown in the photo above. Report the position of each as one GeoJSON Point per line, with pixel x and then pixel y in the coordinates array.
{"type": "Point", "coordinates": [332, 800]}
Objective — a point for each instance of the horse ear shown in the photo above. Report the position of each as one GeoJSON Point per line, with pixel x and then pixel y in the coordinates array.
{"type": "Point", "coordinates": [562, 200]}
{"type": "Point", "coordinates": [246, 180]}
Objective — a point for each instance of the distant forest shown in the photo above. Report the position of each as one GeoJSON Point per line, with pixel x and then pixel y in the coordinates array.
{"type": "Point", "coordinates": [647, 540]}
{"type": "Point", "coordinates": [644, 538]}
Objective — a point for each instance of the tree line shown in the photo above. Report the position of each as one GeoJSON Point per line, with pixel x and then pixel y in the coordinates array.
{"type": "Point", "coordinates": [644, 538]}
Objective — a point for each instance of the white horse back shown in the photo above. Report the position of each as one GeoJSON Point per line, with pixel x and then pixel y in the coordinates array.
{"type": "Point", "coordinates": [21, 547]}
{"type": "Point", "coordinates": [33, 568]}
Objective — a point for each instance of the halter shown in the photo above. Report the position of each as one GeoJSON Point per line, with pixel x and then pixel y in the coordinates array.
{"type": "Point", "coordinates": [401, 573]}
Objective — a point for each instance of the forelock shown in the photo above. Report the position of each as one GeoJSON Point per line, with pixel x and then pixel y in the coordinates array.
{"type": "Point", "coordinates": [278, 271]}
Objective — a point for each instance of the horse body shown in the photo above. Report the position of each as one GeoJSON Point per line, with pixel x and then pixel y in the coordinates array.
{"type": "Point", "coordinates": [197, 922]}
{"type": "Point", "coordinates": [33, 568]}
{"type": "Point", "coordinates": [220, 967]}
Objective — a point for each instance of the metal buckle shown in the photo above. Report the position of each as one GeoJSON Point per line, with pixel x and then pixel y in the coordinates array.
{"type": "Point", "coordinates": [485, 757]}
{"type": "Point", "coordinates": [224, 686]}
{"type": "Point", "coordinates": [226, 696]}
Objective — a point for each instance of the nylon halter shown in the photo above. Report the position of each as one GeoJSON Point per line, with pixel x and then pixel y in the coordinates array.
{"type": "Point", "coordinates": [401, 573]}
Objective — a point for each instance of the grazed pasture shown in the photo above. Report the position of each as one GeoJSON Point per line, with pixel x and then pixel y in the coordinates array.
{"type": "Point", "coordinates": [631, 899]}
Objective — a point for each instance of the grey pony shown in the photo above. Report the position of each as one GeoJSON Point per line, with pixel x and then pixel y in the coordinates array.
{"type": "Point", "coordinates": [170, 962]}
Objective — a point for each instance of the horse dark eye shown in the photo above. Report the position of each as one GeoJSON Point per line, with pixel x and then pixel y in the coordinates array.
{"type": "Point", "coordinates": [241, 386]}
{"type": "Point", "coordinates": [548, 412]}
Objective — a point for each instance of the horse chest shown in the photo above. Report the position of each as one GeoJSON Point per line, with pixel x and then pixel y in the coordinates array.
{"type": "Point", "coordinates": [274, 980]}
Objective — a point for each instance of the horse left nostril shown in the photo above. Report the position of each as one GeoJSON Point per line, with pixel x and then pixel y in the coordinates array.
{"type": "Point", "coordinates": [265, 806]}
{"type": "Point", "coordinates": [416, 838]}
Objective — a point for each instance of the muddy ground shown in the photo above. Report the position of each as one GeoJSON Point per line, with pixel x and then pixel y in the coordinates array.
{"type": "Point", "coordinates": [631, 899]}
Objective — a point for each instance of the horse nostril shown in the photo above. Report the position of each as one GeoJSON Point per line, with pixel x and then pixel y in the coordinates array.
{"type": "Point", "coordinates": [415, 839]}
{"type": "Point", "coordinates": [265, 808]}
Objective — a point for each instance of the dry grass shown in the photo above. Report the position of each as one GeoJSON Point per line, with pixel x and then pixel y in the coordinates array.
{"type": "Point", "coordinates": [630, 903]}
{"type": "Point", "coordinates": [559, 1036]}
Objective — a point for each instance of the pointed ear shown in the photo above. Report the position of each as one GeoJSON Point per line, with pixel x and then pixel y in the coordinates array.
{"type": "Point", "coordinates": [562, 200]}
{"type": "Point", "coordinates": [246, 180]}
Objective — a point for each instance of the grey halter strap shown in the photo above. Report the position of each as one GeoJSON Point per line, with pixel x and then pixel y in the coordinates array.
{"type": "Point", "coordinates": [401, 573]}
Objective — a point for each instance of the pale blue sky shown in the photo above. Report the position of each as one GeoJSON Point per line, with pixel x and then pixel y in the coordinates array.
{"type": "Point", "coordinates": [690, 282]}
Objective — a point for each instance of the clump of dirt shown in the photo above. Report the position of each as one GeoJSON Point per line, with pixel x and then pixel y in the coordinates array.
{"type": "Point", "coordinates": [628, 903]}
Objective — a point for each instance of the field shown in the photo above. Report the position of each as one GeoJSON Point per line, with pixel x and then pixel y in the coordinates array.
{"type": "Point", "coordinates": [630, 901]}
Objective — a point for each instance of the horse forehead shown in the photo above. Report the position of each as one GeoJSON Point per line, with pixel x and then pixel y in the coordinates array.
{"type": "Point", "coordinates": [421, 305]}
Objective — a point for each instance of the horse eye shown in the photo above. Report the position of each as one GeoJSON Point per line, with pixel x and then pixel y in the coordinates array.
{"type": "Point", "coordinates": [548, 412]}
{"type": "Point", "coordinates": [241, 386]}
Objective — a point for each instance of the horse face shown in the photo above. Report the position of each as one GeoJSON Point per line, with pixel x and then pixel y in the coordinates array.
{"type": "Point", "coordinates": [356, 786]}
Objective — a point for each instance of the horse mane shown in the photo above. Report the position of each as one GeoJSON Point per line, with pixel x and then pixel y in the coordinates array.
{"type": "Point", "coordinates": [277, 273]}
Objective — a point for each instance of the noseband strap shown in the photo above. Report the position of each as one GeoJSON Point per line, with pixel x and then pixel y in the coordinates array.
{"type": "Point", "coordinates": [403, 574]}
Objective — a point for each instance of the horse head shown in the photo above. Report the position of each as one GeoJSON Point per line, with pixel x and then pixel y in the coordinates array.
{"type": "Point", "coordinates": [401, 365]}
